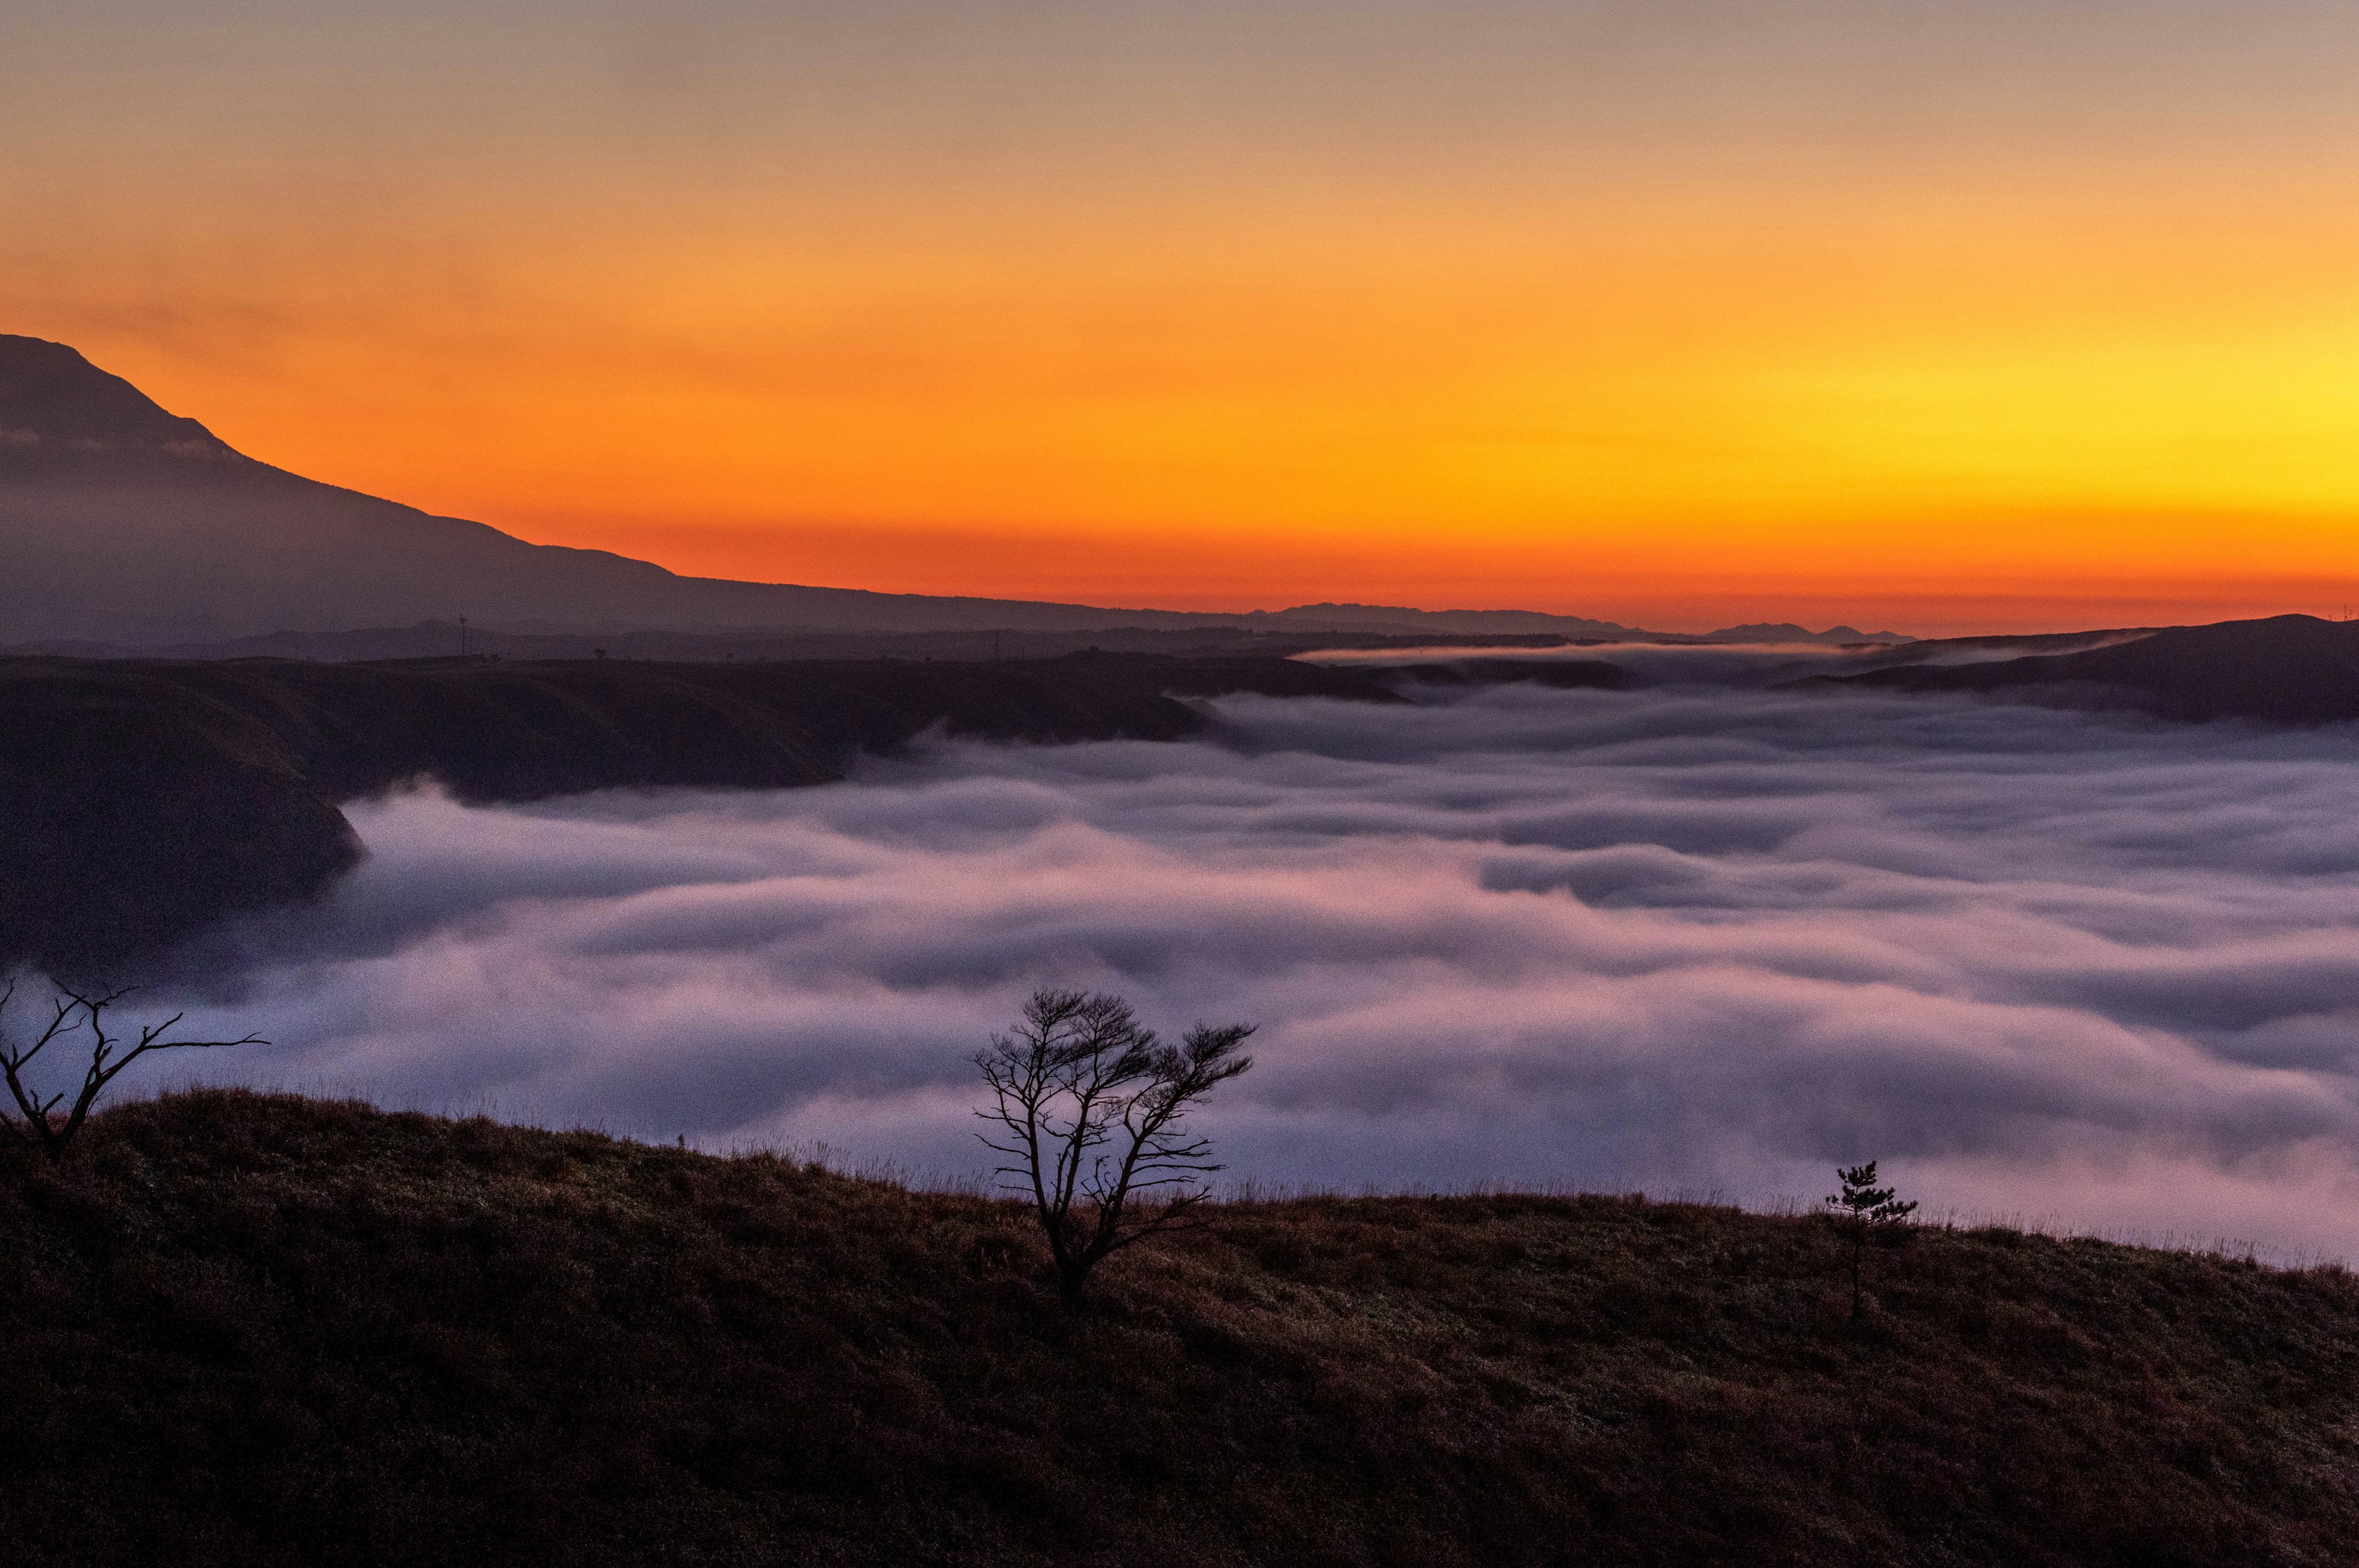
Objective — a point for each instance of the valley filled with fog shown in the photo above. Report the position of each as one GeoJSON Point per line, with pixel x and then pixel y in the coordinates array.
{"type": "Point", "coordinates": [2050, 968]}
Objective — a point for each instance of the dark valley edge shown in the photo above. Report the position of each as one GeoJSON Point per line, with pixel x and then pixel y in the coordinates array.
{"type": "Point", "coordinates": [149, 798]}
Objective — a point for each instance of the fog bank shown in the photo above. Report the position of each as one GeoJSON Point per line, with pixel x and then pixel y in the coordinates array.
{"type": "Point", "coordinates": [2093, 973]}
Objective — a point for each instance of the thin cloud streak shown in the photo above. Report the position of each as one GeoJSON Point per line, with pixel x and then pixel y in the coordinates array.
{"type": "Point", "coordinates": [2038, 963]}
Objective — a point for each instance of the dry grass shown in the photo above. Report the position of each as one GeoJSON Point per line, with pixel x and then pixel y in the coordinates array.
{"type": "Point", "coordinates": [263, 1329]}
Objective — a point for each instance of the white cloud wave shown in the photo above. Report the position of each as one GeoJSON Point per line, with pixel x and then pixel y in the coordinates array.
{"type": "Point", "coordinates": [2037, 963]}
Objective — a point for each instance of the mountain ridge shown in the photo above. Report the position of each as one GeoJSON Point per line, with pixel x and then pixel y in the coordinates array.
{"type": "Point", "coordinates": [126, 523]}
{"type": "Point", "coordinates": [2279, 669]}
{"type": "Point", "coordinates": [51, 395]}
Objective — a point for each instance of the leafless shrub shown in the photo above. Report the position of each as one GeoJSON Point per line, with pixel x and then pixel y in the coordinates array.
{"type": "Point", "coordinates": [82, 1013]}
{"type": "Point", "coordinates": [1086, 1104]}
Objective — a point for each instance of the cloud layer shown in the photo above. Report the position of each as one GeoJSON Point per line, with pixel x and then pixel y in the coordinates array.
{"type": "Point", "coordinates": [2043, 965]}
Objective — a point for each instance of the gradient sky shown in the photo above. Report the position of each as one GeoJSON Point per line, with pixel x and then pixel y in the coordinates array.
{"type": "Point", "coordinates": [1941, 316]}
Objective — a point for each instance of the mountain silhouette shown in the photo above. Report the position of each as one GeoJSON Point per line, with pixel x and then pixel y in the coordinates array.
{"type": "Point", "coordinates": [1787, 631]}
{"type": "Point", "coordinates": [125, 524]}
{"type": "Point", "coordinates": [54, 401]}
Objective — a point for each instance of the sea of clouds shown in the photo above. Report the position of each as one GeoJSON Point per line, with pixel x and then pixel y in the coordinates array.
{"type": "Point", "coordinates": [2084, 971]}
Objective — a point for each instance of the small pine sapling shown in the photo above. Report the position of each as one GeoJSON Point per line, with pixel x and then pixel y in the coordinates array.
{"type": "Point", "coordinates": [1864, 1210]}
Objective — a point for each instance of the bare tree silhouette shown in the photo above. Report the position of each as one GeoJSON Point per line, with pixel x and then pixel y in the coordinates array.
{"type": "Point", "coordinates": [76, 1012]}
{"type": "Point", "coordinates": [1086, 1104]}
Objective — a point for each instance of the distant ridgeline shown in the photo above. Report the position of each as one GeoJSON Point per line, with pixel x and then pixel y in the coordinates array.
{"type": "Point", "coordinates": [144, 798]}
{"type": "Point", "coordinates": [2287, 669]}
{"type": "Point", "coordinates": [123, 524]}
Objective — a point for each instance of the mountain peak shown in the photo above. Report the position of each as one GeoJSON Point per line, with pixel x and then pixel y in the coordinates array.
{"type": "Point", "coordinates": [53, 400]}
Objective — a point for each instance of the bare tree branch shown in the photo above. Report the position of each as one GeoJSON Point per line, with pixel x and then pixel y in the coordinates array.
{"type": "Point", "coordinates": [1086, 1103]}
{"type": "Point", "coordinates": [74, 1013]}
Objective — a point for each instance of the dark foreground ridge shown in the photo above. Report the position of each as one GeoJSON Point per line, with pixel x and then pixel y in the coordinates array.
{"type": "Point", "coordinates": [146, 798]}
{"type": "Point", "coordinates": [264, 1330]}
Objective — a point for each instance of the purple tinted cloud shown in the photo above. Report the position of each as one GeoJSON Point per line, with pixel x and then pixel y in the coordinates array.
{"type": "Point", "coordinates": [2037, 963]}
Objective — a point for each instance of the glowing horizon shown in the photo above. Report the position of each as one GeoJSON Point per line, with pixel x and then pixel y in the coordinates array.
{"type": "Point", "coordinates": [2037, 318]}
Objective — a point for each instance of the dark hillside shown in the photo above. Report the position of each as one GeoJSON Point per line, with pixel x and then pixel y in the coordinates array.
{"type": "Point", "coordinates": [504, 732]}
{"type": "Point", "coordinates": [248, 1330]}
{"type": "Point", "coordinates": [1564, 675]}
{"type": "Point", "coordinates": [147, 797]}
{"type": "Point", "coordinates": [2287, 669]}
{"type": "Point", "coordinates": [132, 813]}
{"type": "Point", "coordinates": [442, 639]}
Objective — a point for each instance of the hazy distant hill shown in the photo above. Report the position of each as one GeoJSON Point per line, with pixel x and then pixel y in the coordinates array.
{"type": "Point", "coordinates": [444, 639]}
{"type": "Point", "coordinates": [1787, 631]}
{"type": "Point", "coordinates": [2285, 669]}
{"type": "Point", "coordinates": [123, 523]}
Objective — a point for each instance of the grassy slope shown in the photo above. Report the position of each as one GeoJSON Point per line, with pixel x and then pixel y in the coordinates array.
{"type": "Point", "coordinates": [247, 1329]}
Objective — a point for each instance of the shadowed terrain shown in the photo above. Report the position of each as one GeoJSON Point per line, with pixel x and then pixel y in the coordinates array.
{"type": "Point", "coordinates": [1564, 675]}
{"type": "Point", "coordinates": [2286, 669]}
{"type": "Point", "coordinates": [262, 1330]}
{"type": "Point", "coordinates": [147, 798]}
{"type": "Point", "coordinates": [442, 639]}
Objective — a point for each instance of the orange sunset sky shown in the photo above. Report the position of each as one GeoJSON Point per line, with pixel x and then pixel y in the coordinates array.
{"type": "Point", "coordinates": [1942, 317]}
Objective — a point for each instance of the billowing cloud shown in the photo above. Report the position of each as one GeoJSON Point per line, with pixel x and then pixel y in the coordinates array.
{"type": "Point", "coordinates": [2103, 972]}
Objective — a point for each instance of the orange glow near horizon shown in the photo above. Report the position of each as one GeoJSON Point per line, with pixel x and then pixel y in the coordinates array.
{"type": "Point", "coordinates": [2017, 359]}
